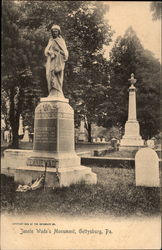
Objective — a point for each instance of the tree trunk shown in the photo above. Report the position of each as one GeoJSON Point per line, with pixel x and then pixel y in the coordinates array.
{"type": "Point", "coordinates": [14, 116]}
{"type": "Point", "coordinates": [89, 130]}
{"type": "Point", "coordinates": [15, 136]}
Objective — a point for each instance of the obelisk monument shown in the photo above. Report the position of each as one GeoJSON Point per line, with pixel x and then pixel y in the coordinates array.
{"type": "Point", "coordinates": [131, 139]}
{"type": "Point", "coordinates": [53, 148]}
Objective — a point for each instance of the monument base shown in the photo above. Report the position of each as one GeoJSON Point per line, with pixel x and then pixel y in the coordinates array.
{"type": "Point", "coordinates": [56, 177]}
{"type": "Point", "coordinates": [67, 171]}
{"type": "Point", "coordinates": [131, 140]}
{"type": "Point", "coordinates": [53, 148]}
{"type": "Point", "coordinates": [131, 144]}
{"type": "Point", "coordinates": [62, 169]}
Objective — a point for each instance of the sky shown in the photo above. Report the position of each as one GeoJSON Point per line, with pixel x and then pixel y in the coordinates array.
{"type": "Point", "coordinates": [123, 14]}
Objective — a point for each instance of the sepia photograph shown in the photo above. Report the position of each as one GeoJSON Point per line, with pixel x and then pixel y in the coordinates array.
{"type": "Point", "coordinates": [80, 125]}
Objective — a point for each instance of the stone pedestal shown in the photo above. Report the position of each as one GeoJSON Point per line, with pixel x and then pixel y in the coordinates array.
{"type": "Point", "coordinates": [131, 140]}
{"type": "Point", "coordinates": [53, 148]}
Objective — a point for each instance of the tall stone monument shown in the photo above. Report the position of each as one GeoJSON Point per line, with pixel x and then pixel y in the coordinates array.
{"type": "Point", "coordinates": [132, 139]}
{"type": "Point", "coordinates": [53, 148]}
{"type": "Point", "coordinates": [82, 136]}
{"type": "Point", "coordinates": [21, 132]}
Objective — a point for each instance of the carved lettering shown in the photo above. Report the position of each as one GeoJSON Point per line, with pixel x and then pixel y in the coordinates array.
{"type": "Point", "coordinates": [45, 134]}
{"type": "Point", "coordinates": [41, 162]}
{"type": "Point", "coordinates": [52, 115]}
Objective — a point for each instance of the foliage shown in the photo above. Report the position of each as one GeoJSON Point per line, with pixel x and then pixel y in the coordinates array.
{"type": "Point", "coordinates": [16, 72]}
{"type": "Point", "coordinates": [156, 9]}
{"type": "Point", "coordinates": [85, 32]}
{"type": "Point", "coordinates": [97, 89]}
{"type": "Point", "coordinates": [128, 56]}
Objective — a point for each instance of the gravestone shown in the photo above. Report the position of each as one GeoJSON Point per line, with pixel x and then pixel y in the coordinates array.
{"type": "Point", "coordinates": [151, 143]}
{"type": "Point", "coordinates": [103, 140]}
{"type": "Point", "coordinates": [94, 140]}
{"type": "Point", "coordinates": [98, 140]}
{"type": "Point", "coordinates": [26, 135]}
{"type": "Point", "coordinates": [147, 168]}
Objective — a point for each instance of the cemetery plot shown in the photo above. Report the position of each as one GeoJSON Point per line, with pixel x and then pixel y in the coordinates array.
{"type": "Point", "coordinates": [115, 194]}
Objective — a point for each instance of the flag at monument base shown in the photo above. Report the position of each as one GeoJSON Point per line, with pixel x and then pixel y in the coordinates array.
{"type": "Point", "coordinates": [38, 183]}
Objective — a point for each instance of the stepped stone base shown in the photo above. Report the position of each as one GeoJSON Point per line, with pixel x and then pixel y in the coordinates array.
{"type": "Point", "coordinates": [131, 140]}
{"type": "Point", "coordinates": [56, 177]}
{"type": "Point", "coordinates": [62, 169]}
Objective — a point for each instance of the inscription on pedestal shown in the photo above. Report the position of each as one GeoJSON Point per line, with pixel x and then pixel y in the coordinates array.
{"type": "Point", "coordinates": [41, 162]}
{"type": "Point", "coordinates": [45, 138]}
{"type": "Point", "coordinates": [44, 135]}
{"type": "Point", "coordinates": [50, 111]}
{"type": "Point", "coordinates": [53, 128]}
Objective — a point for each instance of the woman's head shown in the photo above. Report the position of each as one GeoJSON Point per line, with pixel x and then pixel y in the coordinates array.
{"type": "Point", "coordinates": [55, 31]}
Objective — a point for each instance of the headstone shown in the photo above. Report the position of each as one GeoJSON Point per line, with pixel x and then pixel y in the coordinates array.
{"type": "Point", "coordinates": [94, 140]}
{"type": "Point", "coordinates": [147, 168]}
{"type": "Point", "coordinates": [98, 140]}
{"type": "Point", "coordinates": [26, 134]}
{"type": "Point", "coordinates": [103, 140]}
{"type": "Point", "coordinates": [151, 143]}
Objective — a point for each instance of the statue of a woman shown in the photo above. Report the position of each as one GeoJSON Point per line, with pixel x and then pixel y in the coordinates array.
{"type": "Point", "coordinates": [56, 53]}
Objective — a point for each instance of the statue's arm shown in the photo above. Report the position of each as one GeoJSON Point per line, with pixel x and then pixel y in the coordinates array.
{"type": "Point", "coordinates": [47, 51]}
{"type": "Point", "coordinates": [65, 52]}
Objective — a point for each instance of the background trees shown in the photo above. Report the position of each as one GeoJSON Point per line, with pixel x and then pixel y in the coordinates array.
{"type": "Point", "coordinates": [86, 32]}
{"type": "Point", "coordinates": [16, 74]}
{"type": "Point", "coordinates": [96, 87]}
{"type": "Point", "coordinates": [128, 56]}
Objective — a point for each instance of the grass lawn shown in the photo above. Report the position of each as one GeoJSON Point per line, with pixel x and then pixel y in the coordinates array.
{"type": "Point", "coordinates": [115, 195]}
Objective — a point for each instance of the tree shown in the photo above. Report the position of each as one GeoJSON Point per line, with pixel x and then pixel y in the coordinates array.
{"type": "Point", "coordinates": [16, 72]}
{"type": "Point", "coordinates": [83, 25]}
{"type": "Point", "coordinates": [156, 9]}
{"type": "Point", "coordinates": [90, 96]}
{"type": "Point", "coordinates": [128, 56]}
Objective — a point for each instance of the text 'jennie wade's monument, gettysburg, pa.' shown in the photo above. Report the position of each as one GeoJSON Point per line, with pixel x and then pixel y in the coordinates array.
{"type": "Point", "coordinates": [53, 147]}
